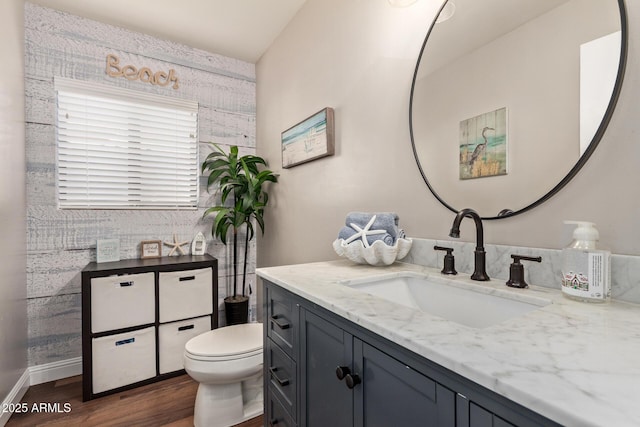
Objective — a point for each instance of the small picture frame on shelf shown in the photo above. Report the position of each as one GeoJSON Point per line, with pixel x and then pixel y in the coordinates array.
{"type": "Point", "coordinates": [150, 249]}
{"type": "Point", "coordinates": [107, 250]}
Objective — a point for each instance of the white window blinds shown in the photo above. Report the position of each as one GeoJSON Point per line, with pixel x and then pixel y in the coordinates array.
{"type": "Point", "coordinates": [124, 149]}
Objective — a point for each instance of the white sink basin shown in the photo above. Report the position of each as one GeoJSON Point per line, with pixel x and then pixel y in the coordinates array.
{"type": "Point", "coordinates": [472, 305]}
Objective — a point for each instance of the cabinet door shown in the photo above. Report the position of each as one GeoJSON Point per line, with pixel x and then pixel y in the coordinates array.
{"type": "Point", "coordinates": [471, 415]}
{"type": "Point", "coordinates": [393, 394]}
{"type": "Point", "coordinates": [325, 400]}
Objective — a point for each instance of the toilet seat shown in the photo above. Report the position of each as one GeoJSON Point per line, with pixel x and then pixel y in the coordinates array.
{"type": "Point", "coordinates": [227, 363]}
{"type": "Point", "coordinates": [227, 343]}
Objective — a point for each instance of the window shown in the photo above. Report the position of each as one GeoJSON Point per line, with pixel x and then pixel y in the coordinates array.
{"type": "Point", "coordinates": [124, 149]}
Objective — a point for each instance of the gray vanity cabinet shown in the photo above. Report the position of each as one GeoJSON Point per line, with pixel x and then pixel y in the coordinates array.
{"type": "Point", "coordinates": [322, 370]}
{"type": "Point", "coordinates": [392, 393]}
{"type": "Point", "coordinates": [325, 400]}
{"type": "Point", "coordinates": [376, 390]}
{"type": "Point", "coordinates": [281, 328]}
{"type": "Point", "coordinates": [469, 414]}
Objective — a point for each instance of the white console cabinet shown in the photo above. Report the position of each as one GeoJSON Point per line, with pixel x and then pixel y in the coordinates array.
{"type": "Point", "coordinates": [137, 316]}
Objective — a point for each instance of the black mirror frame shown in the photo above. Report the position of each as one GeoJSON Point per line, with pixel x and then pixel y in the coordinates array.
{"type": "Point", "coordinates": [506, 213]}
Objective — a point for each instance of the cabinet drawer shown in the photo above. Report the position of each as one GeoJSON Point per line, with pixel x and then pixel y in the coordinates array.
{"type": "Point", "coordinates": [277, 415]}
{"type": "Point", "coordinates": [186, 293]}
{"type": "Point", "coordinates": [122, 301]}
{"type": "Point", "coordinates": [123, 359]}
{"type": "Point", "coordinates": [281, 374]}
{"type": "Point", "coordinates": [173, 336]}
{"type": "Point", "coordinates": [282, 324]}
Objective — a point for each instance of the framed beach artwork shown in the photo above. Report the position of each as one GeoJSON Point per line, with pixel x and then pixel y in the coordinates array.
{"type": "Point", "coordinates": [310, 139]}
{"type": "Point", "coordinates": [483, 145]}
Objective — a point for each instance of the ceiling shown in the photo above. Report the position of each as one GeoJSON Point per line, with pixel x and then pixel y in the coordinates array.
{"type": "Point", "coordinates": [241, 29]}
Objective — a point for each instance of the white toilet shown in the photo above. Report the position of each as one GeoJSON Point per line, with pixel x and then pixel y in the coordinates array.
{"type": "Point", "coordinates": [227, 362]}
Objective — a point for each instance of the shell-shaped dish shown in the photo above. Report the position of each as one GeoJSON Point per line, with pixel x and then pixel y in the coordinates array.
{"type": "Point", "coordinates": [377, 254]}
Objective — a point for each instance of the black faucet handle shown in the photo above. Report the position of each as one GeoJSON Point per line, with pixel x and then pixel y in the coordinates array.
{"type": "Point", "coordinates": [449, 261]}
{"type": "Point", "coordinates": [443, 248]}
{"type": "Point", "coordinates": [518, 258]}
{"type": "Point", "coordinates": [516, 271]}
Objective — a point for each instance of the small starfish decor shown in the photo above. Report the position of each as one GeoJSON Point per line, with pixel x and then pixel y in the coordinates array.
{"type": "Point", "coordinates": [362, 233]}
{"type": "Point", "coordinates": [177, 246]}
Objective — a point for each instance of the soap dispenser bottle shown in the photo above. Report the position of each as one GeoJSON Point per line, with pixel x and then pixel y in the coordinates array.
{"type": "Point", "coordinates": [586, 271]}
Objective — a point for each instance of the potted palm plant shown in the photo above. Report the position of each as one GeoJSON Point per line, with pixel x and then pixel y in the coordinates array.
{"type": "Point", "coordinates": [240, 181]}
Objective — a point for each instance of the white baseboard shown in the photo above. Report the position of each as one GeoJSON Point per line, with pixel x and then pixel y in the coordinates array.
{"type": "Point", "coordinates": [37, 375]}
{"type": "Point", "coordinates": [55, 371]}
{"type": "Point", "coordinates": [15, 396]}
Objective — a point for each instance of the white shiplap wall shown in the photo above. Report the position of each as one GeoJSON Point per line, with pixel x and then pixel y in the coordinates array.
{"type": "Point", "coordinates": [61, 242]}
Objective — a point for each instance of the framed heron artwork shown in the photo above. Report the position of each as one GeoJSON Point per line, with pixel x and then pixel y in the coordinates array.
{"type": "Point", "coordinates": [483, 145]}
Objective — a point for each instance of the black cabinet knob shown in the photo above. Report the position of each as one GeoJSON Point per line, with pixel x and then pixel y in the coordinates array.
{"type": "Point", "coordinates": [352, 380]}
{"type": "Point", "coordinates": [342, 372]}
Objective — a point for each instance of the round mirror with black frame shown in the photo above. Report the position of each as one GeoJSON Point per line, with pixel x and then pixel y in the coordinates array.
{"type": "Point", "coordinates": [509, 99]}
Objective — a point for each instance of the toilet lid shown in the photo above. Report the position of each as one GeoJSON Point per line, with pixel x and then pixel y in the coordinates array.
{"type": "Point", "coordinates": [227, 341]}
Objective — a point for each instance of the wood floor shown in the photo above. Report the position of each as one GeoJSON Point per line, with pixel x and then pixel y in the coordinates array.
{"type": "Point", "coordinates": [167, 403]}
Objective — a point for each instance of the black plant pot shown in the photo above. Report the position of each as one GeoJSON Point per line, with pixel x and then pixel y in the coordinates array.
{"type": "Point", "coordinates": [236, 310]}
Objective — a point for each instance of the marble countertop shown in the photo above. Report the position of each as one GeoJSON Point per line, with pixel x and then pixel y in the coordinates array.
{"type": "Point", "coordinates": [575, 363]}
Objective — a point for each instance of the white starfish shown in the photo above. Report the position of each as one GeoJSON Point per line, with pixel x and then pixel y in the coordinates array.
{"type": "Point", "coordinates": [364, 232]}
{"type": "Point", "coordinates": [176, 245]}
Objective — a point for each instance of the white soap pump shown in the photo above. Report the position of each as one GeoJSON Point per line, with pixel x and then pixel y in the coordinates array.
{"type": "Point", "coordinates": [586, 271]}
{"type": "Point", "coordinates": [585, 235]}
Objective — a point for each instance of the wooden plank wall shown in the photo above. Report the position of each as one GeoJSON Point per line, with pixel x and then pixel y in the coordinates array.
{"type": "Point", "coordinates": [61, 242]}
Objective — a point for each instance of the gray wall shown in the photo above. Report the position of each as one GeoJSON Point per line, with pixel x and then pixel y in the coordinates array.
{"type": "Point", "coordinates": [13, 308]}
{"type": "Point", "coordinates": [61, 242]}
{"type": "Point", "coordinates": [358, 57]}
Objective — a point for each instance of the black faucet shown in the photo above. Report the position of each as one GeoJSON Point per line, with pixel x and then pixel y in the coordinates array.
{"type": "Point", "coordinates": [479, 270]}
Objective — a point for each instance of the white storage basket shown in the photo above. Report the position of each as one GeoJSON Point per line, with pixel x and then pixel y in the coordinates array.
{"type": "Point", "coordinates": [184, 294]}
{"type": "Point", "coordinates": [122, 301]}
{"type": "Point", "coordinates": [173, 336]}
{"type": "Point", "coordinates": [123, 359]}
